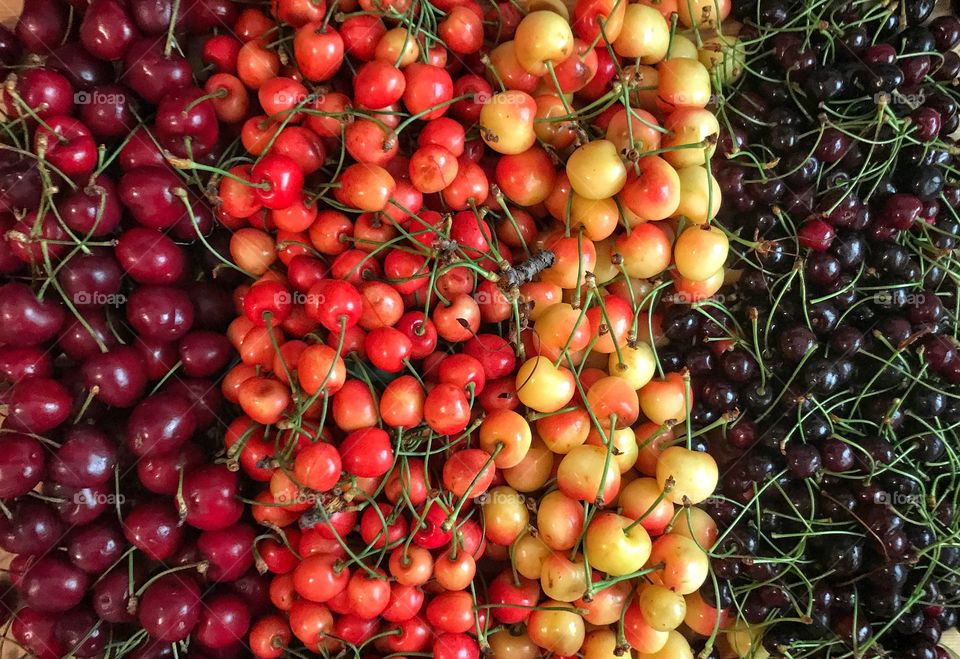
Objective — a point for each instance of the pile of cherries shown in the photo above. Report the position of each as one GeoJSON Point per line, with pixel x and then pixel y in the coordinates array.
{"type": "Point", "coordinates": [836, 346]}
{"type": "Point", "coordinates": [126, 536]}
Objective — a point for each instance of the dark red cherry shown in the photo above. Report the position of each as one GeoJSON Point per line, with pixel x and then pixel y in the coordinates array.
{"type": "Point", "coordinates": [214, 306]}
{"type": "Point", "coordinates": [35, 631]}
{"type": "Point", "coordinates": [254, 588]}
{"type": "Point", "coordinates": [204, 15]}
{"type": "Point", "coordinates": [20, 188]}
{"type": "Point", "coordinates": [107, 111]}
{"type": "Point", "coordinates": [160, 424]}
{"type": "Point", "coordinates": [150, 194]}
{"type": "Point", "coordinates": [25, 320]}
{"type": "Point", "coordinates": [10, 263]}
{"type": "Point", "coordinates": [37, 405]}
{"type": "Point", "coordinates": [53, 585]}
{"type": "Point", "coordinates": [182, 116]}
{"type": "Point", "coordinates": [32, 530]}
{"type": "Point", "coordinates": [161, 473]}
{"type": "Point", "coordinates": [107, 29]}
{"type": "Point", "coordinates": [111, 594]}
{"type": "Point", "coordinates": [33, 239]}
{"type": "Point", "coordinates": [29, 361]}
{"type": "Point", "coordinates": [92, 210]}
{"type": "Point", "coordinates": [42, 25]}
{"type": "Point", "coordinates": [79, 505]}
{"type": "Point", "coordinates": [229, 551]}
{"type": "Point", "coordinates": [204, 396]}
{"type": "Point", "coordinates": [204, 354]}
{"type": "Point", "coordinates": [86, 457]}
{"type": "Point", "coordinates": [151, 74]}
{"type": "Point", "coordinates": [95, 547]}
{"type": "Point", "coordinates": [210, 494]}
{"type": "Point", "coordinates": [79, 339]}
{"type": "Point", "coordinates": [118, 377]}
{"type": "Point", "coordinates": [47, 92]}
{"type": "Point", "coordinates": [67, 145]}
{"type": "Point", "coordinates": [160, 357]}
{"type": "Point", "coordinates": [82, 632]}
{"type": "Point", "coordinates": [170, 607]}
{"type": "Point", "coordinates": [92, 280]}
{"type": "Point", "coordinates": [153, 16]}
{"type": "Point", "coordinates": [139, 150]}
{"type": "Point", "coordinates": [83, 70]}
{"type": "Point", "coordinates": [154, 528]}
{"type": "Point", "coordinates": [10, 49]}
{"type": "Point", "coordinates": [225, 617]}
{"type": "Point", "coordinates": [150, 257]}
{"type": "Point", "coordinates": [162, 313]}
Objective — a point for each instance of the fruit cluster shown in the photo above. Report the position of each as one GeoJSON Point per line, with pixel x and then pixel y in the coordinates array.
{"type": "Point", "coordinates": [836, 345]}
{"type": "Point", "coordinates": [113, 308]}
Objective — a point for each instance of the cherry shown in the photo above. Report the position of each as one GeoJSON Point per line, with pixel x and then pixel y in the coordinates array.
{"type": "Point", "coordinates": [78, 505]}
{"type": "Point", "coordinates": [94, 209]}
{"type": "Point", "coordinates": [367, 453]}
{"type": "Point", "coordinates": [35, 631]}
{"type": "Point", "coordinates": [210, 496]}
{"type": "Point", "coordinates": [154, 528]}
{"type": "Point", "coordinates": [117, 376]}
{"type": "Point", "coordinates": [224, 620]}
{"type": "Point", "coordinates": [170, 607]}
{"type": "Point", "coordinates": [26, 320]}
{"type": "Point", "coordinates": [53, 585]}
{"type": "Point", "coordinates": [184, 115]}
{"type": "Point", "coordinates": [154, 17]}
{"type": "Point", "coordinates": [83, 70]}
{"type": "Point", "coordinates": [229, 551]}
{"type": "Point", "coordinates": [281, 180]}
{"type": "Point", "coordinates": [153, 75]}
{"type": "Point", "coordinates": [111, 594]}
{"type": "Point", "coordinates": [161, 313]}
{"type": "Point", "coordinates": [91, 279]}
{"type": "Point", "coordinates": [161, 473]}
{"type": "Point", "coordinates": [86, 457]}
{"type": "Point", "coordinates": [96, 547]}
{"type": "Point", "coordinates": [160, 424]}
{"type": "Point", "coordinates": [82, 632]}
{"type": "Point", "coordinates": [19, 363]}
{"type": "Point", "coordinates": [46, 91]}
{"type": "Point", "coordinates": [150, 257]}
{"type": "Point", "coordinates": [10, 49]}
{"type": "Point", "coordinates": [37, 405]}
{"type": "Point", "coordinates": [68, 145]}
{"type": "Point", "coordinates": [42, 25]}
{"type": "Point", "coordinates": [33, 528]}
{"type": "Point", "coordinates": [107, 29]}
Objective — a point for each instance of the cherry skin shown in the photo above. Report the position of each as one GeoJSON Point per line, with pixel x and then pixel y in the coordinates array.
{"type": "Point", "coordinates": [170, 608]}
{"type": "Point", "coordinates": [210, 495]}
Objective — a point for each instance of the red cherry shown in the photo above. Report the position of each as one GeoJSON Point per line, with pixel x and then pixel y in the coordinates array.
{"type": "Point", "coordinates": [282, 178]}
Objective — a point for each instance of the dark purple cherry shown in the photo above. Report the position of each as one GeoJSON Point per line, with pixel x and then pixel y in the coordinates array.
{"type": "Point", "coordinates": [946, 32]}
{"type": "Point", "coordinates": [10, 49]}
{"type": "Point", "coordinates": [229, 551]}
{"type": "Point", "coordinates": [161, 313]}
{"type": "Point", "coordinates": [33, 530]}
{"type": "Point", "coordinates": [159, 356]}
{"type": "Point", "coordinates": [150, 257]}
{"type": "Point", "coordinates": [53, 585]}
{"type": "Point", "coordinates": [37, 405]}
{"type": "Point", "coordinates": [803, 460]}
{"type": "Point", "coordinates": [796, 342]}
{"type": "Point", "coordinates": [210, 494]}
{"type": "Point", "coordinates": [117, 376]}
{"type": "Point", "coordinates": [204, 354]}
{"type": "Point", "coordinates": [170, 607]}
{"type": "Point", "coordinates": [151, 74]}
{"type": "Point", "coordinates": [43, 25]}
{"type": "Point", "coordinates": [837, 455]}
{"type": "Point", "coordinates": [82, 69]}
{"type": "Point", "coordinates": [204, 15]}
{"type": "Point", "coordinates": [95, 547]}
{"type": "Point", "coordinates": [153, 16]}
{"type": "Point", "coordinates": [82, 632]}
{"type": "Point", "coordinates": [94, 209]}
{"type": "Point", "coordinates": [86, 457]}
{"type": "Point", "coordinates": [154, 528]}
{"type": "Point", "coordinates": [25, 320]}
{"type": "Point", "coordinates": [214, 306]}
{"type": "Point", "coordinates": [160, 424]}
